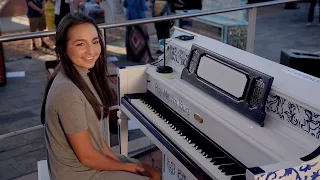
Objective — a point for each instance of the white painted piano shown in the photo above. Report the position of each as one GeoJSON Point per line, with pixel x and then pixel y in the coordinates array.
{"type": "Point", "coordinates": [224, 114]}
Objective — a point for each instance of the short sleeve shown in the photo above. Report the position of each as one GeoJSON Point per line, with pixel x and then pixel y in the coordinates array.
{"type": "Point", "coordinates": [70, 107]}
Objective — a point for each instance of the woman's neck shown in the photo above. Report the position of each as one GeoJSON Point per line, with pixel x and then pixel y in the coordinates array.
{"type": "Point", "coordinates": [81, 70]}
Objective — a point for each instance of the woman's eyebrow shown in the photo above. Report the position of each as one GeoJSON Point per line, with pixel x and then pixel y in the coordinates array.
{"type": "Point", "coordinates": [96, 38]}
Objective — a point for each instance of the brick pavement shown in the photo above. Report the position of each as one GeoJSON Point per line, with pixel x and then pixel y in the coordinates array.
{"type": "Point", "coordinates": [13, 8]}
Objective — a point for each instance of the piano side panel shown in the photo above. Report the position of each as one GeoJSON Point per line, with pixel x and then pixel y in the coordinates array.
{"type": "Point", "coordinates": [173, 169]}
{"type": "Point", "coordinates": [131, 79]}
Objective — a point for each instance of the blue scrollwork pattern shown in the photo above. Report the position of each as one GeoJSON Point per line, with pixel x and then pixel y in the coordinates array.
{"type": "Point", "coordinates": [294, 114]}
{"type": "Point", "coordinates": [302, 172]}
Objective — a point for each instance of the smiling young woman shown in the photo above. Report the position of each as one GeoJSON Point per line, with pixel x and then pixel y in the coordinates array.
{"type": "Point", "coordinates": [76, 99]}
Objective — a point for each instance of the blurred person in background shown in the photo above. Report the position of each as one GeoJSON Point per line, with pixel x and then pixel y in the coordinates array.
{"type": "Point", "coordinates": [311, 12]}
{"type": "Point", "coordinates": [136, 9]}
{"type": "Point", "coordinates": [163, 8]}
{"type": "Point", "coordinates": [49, 9]}
{"type": "Point", "coordinates": [137, 36]}
{"type": "Point", "coordinates": [62, 8]}
{"type": "Point", "coordinates": [94, 10]}
{"type": "Point", "coordinates": [37, 21]}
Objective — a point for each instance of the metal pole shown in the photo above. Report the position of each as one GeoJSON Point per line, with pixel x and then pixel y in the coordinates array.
{"type": "Point", "coordinates": [34, 128]}
{"type": "Point", "coordinates": [3, 79]}
{"type": "Point", "coordinates": [251, 29]}
{"type": "Point", "coordinates": [23, 131]}
{"type": "Point", "coordinates": [31, 35]}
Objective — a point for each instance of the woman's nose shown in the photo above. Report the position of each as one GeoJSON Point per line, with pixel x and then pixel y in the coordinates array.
{"type": "Point", "coordinates": [90, 49]}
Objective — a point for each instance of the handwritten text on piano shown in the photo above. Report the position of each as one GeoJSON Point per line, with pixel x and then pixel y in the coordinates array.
{"type": "Point", "coordinates": [170, 98]}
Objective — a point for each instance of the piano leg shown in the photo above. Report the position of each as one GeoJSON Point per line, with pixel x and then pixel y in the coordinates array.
{"type": "Point", "coordinates": [123, 133]}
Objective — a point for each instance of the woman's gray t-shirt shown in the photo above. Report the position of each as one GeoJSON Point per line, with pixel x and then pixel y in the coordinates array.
{"type": "Point", "coordinates": [68, 111]}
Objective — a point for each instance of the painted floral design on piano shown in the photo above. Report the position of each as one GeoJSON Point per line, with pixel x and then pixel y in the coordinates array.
{"type": "Point", "coordinates": [301, 172]}
{"type": "Point", "coordinates": [179, 56]}
{"type": "Point", "coordinates": [275, 105]}
{"type": "Point", "coordinates": [294, 114]}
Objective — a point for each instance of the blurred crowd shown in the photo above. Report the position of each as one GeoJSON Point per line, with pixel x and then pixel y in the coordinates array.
{"type": "Point", "coordinates": [47, 14]}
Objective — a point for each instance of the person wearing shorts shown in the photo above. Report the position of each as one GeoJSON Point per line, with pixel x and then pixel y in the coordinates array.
{"type": "Point", "coordinates": [37, 19]}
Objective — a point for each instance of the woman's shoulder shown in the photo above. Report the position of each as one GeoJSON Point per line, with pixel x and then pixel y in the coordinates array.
{"type": "Point", "coordinates": [62, 87]}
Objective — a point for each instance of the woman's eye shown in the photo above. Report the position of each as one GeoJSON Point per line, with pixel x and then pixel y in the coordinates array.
{"type": "Point", "coordinates": [96, 42]}
{"type": "Point", "coordinates": [80, 44]}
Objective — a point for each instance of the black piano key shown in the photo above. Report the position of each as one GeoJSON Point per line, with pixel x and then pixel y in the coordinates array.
{"type": "Point", "coordinates": [221, 161]}
{"type": "Point", "coordinates": [231, 169]}
{"type": "Point", "coordinates": [215, 153]}
{"type": "Point", "coordinates": [214, 159]}
{"type": "Point", "coordinates": [179, 125]}
{"type": "Point", "coordinates": [236, 170]}
{"type": "Point", "coordinates": [239, 177]}
{"type": "Point", "coordinates": [224, 168]}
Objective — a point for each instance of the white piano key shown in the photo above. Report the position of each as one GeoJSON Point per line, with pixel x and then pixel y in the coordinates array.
{"type": "Point", "coordinates": [178, 139]}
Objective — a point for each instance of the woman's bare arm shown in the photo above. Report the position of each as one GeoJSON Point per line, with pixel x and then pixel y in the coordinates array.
{"type": "Point", "coordinates": [89, 156]}
{"type": "Point", "coordinates": [108, 152]}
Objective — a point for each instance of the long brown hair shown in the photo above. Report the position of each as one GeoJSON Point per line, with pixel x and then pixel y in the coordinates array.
{"type": "Point", "coordinates": [98, 74]}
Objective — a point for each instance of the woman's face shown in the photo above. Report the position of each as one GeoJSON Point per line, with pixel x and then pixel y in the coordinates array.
{"type": "Point", "coordinates": [83, 46]}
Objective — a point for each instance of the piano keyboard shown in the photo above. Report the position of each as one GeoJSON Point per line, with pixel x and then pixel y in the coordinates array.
{"type": "Point", "coordinates": [193, 142]}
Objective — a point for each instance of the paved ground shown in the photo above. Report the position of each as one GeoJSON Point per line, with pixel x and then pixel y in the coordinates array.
{"type": "Point", "coordinates": [21, 98]}
{"type": "Point", "coordinates": [274, 33]}
{"type": "Point", "coordinates": [13, 8]}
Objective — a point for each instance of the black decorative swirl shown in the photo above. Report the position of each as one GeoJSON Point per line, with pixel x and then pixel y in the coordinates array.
{"type": "Point", "coordinates": [179, 56]}
{"type": "Point", "coordinates": [311, 125]}
{"type": "Point", "coordinates": [275, 104]}
{"type": "Point", "coordinates": [183, 57]}
{"type": "Point", "coordinates": [174, 53]}
{"type": "Point", "coordinates": [295, 114]}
